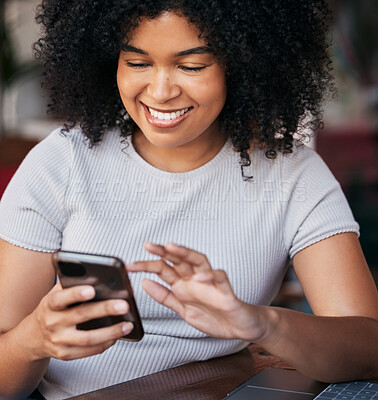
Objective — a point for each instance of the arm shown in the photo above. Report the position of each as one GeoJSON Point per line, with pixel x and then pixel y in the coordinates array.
{"type": "Point", "coordinates": [36, 323]}
{"type": "Point", "coordinates": [21, 289]}
{"type": "Point", "coordinates": [339, 343]}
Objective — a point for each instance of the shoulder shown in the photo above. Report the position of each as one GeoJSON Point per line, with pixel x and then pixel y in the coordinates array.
{"type": "Point", "coordinates": [301, 153]}
{"type": "Point", "coordinates": [304, 162]}
{"type": "Point", "coordinates": [56, 143]}
{"type": "Point", "coordinates": [51, 158]}
{"type": "Point", "coordinates": [301, 161]}
{"type": "Point", "coordinates": [74, 141]}
{"type": "Point", "coordinates": [61, 137]}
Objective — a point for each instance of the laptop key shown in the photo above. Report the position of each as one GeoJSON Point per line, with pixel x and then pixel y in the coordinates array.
{"type": "Point", "coordinates": [358, 385]}
{"type": "Point", "coordinates": [333, 390]}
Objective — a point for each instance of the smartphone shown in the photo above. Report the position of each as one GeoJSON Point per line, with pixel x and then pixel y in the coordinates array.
{"type": "Point", "coordinates": [109, 278]}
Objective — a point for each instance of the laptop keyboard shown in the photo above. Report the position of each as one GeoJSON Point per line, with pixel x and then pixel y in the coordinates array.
{"type": "Point", "coordinates": [350, 391]}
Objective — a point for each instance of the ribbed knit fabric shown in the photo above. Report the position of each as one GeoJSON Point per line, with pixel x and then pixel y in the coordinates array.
{"type": "Point", "coordinates": [108, 200]}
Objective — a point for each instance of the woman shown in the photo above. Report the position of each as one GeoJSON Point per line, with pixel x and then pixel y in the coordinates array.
{"type": "Point", "coordinates": [173, 97]}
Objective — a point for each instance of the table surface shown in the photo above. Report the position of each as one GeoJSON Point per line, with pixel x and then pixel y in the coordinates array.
{"type": "Point", "coordinates": [204, 380]}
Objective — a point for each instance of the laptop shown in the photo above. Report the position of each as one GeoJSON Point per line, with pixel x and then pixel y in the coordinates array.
{"type": "Point", "coordinates": [285, 384]}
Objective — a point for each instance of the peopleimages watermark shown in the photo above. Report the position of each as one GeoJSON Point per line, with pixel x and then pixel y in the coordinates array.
{"type": "Point", "coordinates": [148, 214]}
{"type": "Point", "coordinates": [187, 191]}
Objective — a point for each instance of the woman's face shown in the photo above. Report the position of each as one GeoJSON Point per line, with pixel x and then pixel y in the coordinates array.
{"type": "Point", "coordinates": [170, 84]}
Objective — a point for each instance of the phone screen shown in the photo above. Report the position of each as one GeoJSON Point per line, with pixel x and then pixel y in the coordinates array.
{"type": "Point", "coordinates": [109, 278]}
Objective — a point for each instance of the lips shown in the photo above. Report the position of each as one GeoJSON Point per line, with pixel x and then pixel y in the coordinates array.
{"type": "Point", "coordinates": [166, 119]}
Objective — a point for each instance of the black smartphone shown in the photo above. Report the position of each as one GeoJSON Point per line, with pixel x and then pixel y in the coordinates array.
{"type": "Point", "coordinates": [109, 278]}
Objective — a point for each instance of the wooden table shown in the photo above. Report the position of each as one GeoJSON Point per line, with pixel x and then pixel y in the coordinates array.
{"type": "Point", "coordinates": [204, 380]}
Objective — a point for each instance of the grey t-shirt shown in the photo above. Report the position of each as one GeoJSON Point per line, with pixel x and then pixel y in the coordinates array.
{"type": "Point", "coordinates": [108, 200]}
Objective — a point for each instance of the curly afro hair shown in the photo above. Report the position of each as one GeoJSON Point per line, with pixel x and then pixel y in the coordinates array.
{"type": "Point", "coordinates": [275, 54]}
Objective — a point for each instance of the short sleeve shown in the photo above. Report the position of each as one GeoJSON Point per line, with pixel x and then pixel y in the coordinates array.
{"type": "Point", "coordinates": [315, 206]}
{"type": "Point", "coordinates": [32, 209]}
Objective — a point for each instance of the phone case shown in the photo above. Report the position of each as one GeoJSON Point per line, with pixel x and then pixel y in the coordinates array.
{"type": "Point", "coordinates": [109, 278]}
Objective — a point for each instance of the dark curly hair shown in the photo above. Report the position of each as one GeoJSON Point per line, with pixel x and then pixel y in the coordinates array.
{"type": "Point", "coordinates": [275, 54]}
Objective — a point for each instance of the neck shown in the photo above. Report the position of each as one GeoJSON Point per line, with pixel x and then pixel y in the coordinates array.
{"type": "Point", "coordinates": [183, 158]}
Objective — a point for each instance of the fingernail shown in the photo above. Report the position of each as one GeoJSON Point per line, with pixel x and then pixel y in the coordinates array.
{"type": "Point", "coordinates": [172, 244]}
{"type": "Point", "coordinates": [88, 292]}
{"type": "Point", "coordinates": [120, 307]}
{"type": "Point", "coordinates": [128, 327]}
{"type": "Point", "coordinates": [151, 244]}
{"type": "Point", "coordinates": [175, 246]}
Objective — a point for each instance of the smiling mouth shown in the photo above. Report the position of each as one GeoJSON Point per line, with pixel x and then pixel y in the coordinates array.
{"type": "Point", "coordinates": [169, 119]}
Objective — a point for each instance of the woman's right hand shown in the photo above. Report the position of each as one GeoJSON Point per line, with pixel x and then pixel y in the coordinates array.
{"type": "Point", "coordinates": [55, 324]}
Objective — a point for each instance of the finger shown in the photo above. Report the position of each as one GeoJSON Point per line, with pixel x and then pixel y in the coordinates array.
{"type": "Point", "coordinates": [193, 257]}
{"type": "Point", "coordinates": [159, 267]}
{"type": "Point", "coordinates": [93, 350]}
{"type": "Point", "coordinates": [95, 337]}
{"type": "Point", "coordinates": [56, 288]}
{"type": "Point", "coordinates": [60, 299]}
{"type": "Point", "coordinates": [100, 309]}
{"type": "Point", "coordinates": [160, 250]}
{"type": "Point", "coordinates": [162, 295]}
{"type": "Point", "coordinates": [183, 268]}
{"type": "Point", "coordinates": [74, 352]}
{"type": "Point", "coordinates": [216, 277]}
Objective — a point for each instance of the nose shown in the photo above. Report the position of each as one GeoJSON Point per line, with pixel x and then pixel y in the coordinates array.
{"type": "Point", "coordinates": [162, 87]}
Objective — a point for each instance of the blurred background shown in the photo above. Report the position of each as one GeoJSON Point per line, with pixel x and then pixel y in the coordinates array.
{"type": "Point", "coordinates": [348, 143]}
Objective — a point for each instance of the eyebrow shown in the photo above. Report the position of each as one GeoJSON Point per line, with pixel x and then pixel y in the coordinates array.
{"type": "Point", "coordinates": [132, 49]}
{"type": "Point", "coordinates": [194, 50]}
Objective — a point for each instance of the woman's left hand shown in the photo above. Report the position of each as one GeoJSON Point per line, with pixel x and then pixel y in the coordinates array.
{"type": "Point", "coordinates": [203, 297]}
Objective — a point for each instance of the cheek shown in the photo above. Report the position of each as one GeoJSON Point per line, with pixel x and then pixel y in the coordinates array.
{"type": "Point", "coordinates": [211, 92]}
{"type": "Point", "coordinates": [121, 83]}
{"type": "Point", "coordinates": [213, 97]}
{"type": "Point", "coordinates": [128, 86]}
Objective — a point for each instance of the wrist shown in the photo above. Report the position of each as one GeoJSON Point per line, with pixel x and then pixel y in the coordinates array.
{"type": "Point", "coordinates": [27, 339]}
{"type": "Point", "coordinates": [261, 324]}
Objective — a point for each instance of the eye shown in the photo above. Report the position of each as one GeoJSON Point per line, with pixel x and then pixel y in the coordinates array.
{"type": "Point", "coordinates": [192, 69]}
{"type": "Point", "coordinates": [137, 65]}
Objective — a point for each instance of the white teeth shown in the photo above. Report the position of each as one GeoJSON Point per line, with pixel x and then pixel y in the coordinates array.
{"type": "Point", "coordinates": [167, 116]}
